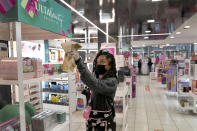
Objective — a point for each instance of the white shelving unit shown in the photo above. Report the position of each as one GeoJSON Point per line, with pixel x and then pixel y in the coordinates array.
{"type": "Point", "coordinates": [183, 80]}
{"type": "Point", "coordinates": [123, 92]}
{"type": "Point", "coordinates": [190, 98]}
{"type": "Point", "coordinates": [71, 82]}
{"type": "Point", "coordinates": [20, 27]}
{"type": "Point", "coordinates": [56, 107]}
{"type": "Point", "coordinates": [71, 94]}
{"type": "Point", "coordinates": [194, 108]}
{"type": "Point", "coordinates": [129, 80]}
{"type": "Point", "coordinates": [34, 80]}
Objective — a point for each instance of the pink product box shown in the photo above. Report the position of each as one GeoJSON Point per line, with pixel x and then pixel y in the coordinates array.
{"type": "Point", "coordinates": [127, 83]}
{"type": "Point", "coordinates": [49, 69]}
{"type": "Point", "coordinates": [9, 71]}
{"type": "Point", "coordinates": [39, 70]}
{"type": "Point", "coordinates": [13, 74]}
{"type": "Point", "coordinates": [133, 79]}
{"type": "Point", "coordinates": [187, 65]}
{"type": "Point", "coordinates": [133, 71]}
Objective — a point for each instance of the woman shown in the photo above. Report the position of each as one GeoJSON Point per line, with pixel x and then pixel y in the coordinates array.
{"type": "Point", "coordinates": [149, 64]}
{"type": "Point", "coordinates": [103, 85]}
{"type": "Point", "coordinates": [139, 67]}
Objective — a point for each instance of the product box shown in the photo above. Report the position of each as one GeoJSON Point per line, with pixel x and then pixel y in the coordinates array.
{"type": "Point", "coordinates": [9, 71]}
{"type": "Point", "coordinates": [44, 121]}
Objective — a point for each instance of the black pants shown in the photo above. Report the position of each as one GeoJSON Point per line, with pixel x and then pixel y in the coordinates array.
{"type": "Point", "coordinates": [150, 68]}
{"type": "Point", "coordinates": [101, 122]}
{"type": "Point", "coordinates": [140, 70]}
{"type": "Point", "coordinates": [101, 127]}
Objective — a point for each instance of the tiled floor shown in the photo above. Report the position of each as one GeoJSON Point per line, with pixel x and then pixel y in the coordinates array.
{"type": "Point", "coordinates": [152, 110]}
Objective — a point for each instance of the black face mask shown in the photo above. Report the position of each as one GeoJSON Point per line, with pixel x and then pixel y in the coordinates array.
{"type": "Point", "coordinates": [100, 70]}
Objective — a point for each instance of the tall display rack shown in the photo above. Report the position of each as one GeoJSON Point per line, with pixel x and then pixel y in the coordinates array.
{"type": "Point", "coordinates": [183, 85]}
{"type": "Point", "coordinates": [122, 95]}
{"type": "Point", "coordinates": [22, 23]}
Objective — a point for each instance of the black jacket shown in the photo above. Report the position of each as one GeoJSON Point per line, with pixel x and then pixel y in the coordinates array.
{"type": "Point", "coordinates": [103, 89]}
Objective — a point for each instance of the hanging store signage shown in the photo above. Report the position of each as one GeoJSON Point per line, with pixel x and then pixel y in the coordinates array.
{"type": "Point", "coordinates": [8, 10]}
{"type": "Point", "coordinates": [6, 5]}
{"type": "Point", "coordinates": [48, 15]}
{"type": "Point", "coordinates": [111, 47]}
{"type": "Point", "coordinates": [45, 14]}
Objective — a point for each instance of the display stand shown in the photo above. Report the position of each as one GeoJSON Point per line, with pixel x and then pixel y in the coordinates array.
{"type": "Point", "coordinates": [184, 95]}
{"type": "Point", "coordinates": [193, 93]}
{"type": "Point", "coordinates": [172, 79]}
{"type": "Point", "coordinates": [163, 65]}
{"type": "Point", "coordinates": [33, 95]}
{"type": "Point", "coordinates": [134, 79]}
{"type": "Point", "coordinates": [28, 32]}
{"type": "Point", "coordinates": [121, 104]}
{"type": "Point", "coordinates": [187, 96]}
{"type": "Point", "coordinates": [122, 94]}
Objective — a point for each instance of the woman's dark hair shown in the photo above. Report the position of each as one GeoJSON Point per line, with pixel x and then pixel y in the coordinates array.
{"type": "Point", "coordinates": [112, 72]}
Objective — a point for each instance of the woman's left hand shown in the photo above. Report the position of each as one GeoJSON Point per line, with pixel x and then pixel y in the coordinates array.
{"type": "Point", "coordinates": [75, 54]}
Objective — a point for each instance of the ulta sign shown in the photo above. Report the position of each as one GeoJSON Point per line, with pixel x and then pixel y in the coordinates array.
{"type": "Point", "coordinates": [48, 12]}
{"type": "Point", "coordinates": [49, 15]}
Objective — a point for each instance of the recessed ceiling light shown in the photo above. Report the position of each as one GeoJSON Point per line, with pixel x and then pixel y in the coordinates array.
{"type": "Point", "coordinates": [178, 33]}
{"type": "Point", "coordinates": [75, 21]}
{"type": "Point", "coordinates": [82, 40]}
{"type": "Point", "coordinates": [187, 27]}
{"type": "Point", "coordinates": [146, 37]}
{"type": "Point", "coordinates": [147, 31]}
{"type": "Point", "coordinates": [150, 21]}
{"type": "Point", "coordinates": [101, 2]}
{"type": "Point", "coordinates": [172, 37]}
{"type": "Point", "coordinates": [156, 0]}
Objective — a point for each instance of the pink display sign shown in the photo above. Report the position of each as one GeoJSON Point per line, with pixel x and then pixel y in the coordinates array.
{"type": "Point", "coordinates": [162, 57]}
{"type": "Point", "coordinates": [111, 47]}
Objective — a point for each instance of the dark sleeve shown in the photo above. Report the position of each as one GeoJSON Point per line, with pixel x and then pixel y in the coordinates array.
{"type": "Point", "coordinates": [103, 86]}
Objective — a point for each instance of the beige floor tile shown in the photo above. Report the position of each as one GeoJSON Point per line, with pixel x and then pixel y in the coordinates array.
{"type": "Point", "coordinates": [170, 128]}
{"type": "Point", "coordinates": [151, 111]}
{"type": "Point", "coordinates": [154, 124]}
{"type": "Point", "coordinates": [156, 129]}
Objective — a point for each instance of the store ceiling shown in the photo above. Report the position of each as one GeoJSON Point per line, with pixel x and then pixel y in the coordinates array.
{"type": "Point", "coordinates": [181, 35]}
{"type": "Point", "coordinates": [168, 16]}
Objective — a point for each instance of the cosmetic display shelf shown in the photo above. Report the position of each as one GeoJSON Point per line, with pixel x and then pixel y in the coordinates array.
{"type": "Point", "coordinates": [121, 92]}
{"type": "Point", "coordinates": [192, 99]}
{"type": "Point", "coordinates": [126, 109]}
{"type": "Point", "coordinates": [55, 93]}
{"type": "Point", "coordinates": [182, 94]}
{"type": "Point", "coordinates": [120, 115]}
{"type": "Point", "coordinates": [192, 94]}
{"type": "Point", "coordinates": [34, 95]}
{"type": "Point", "coordinates": [34, 89]}
{"type": "Point", "coordinates": [62, 127]}
{"type": "Point", "coordinates": [187, 108]}
{"type": "Point", "coordinates": [35, 101]}
{"type": "Point", "coordinates": [34, 80]}
{"type": "Point", "coordinates": [56, 107]}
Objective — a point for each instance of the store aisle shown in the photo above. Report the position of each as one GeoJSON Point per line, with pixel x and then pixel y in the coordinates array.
{"type": "Point", "coordinates": [151, 110]}
{"type": "Point", "coordinates": [155, 111]}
